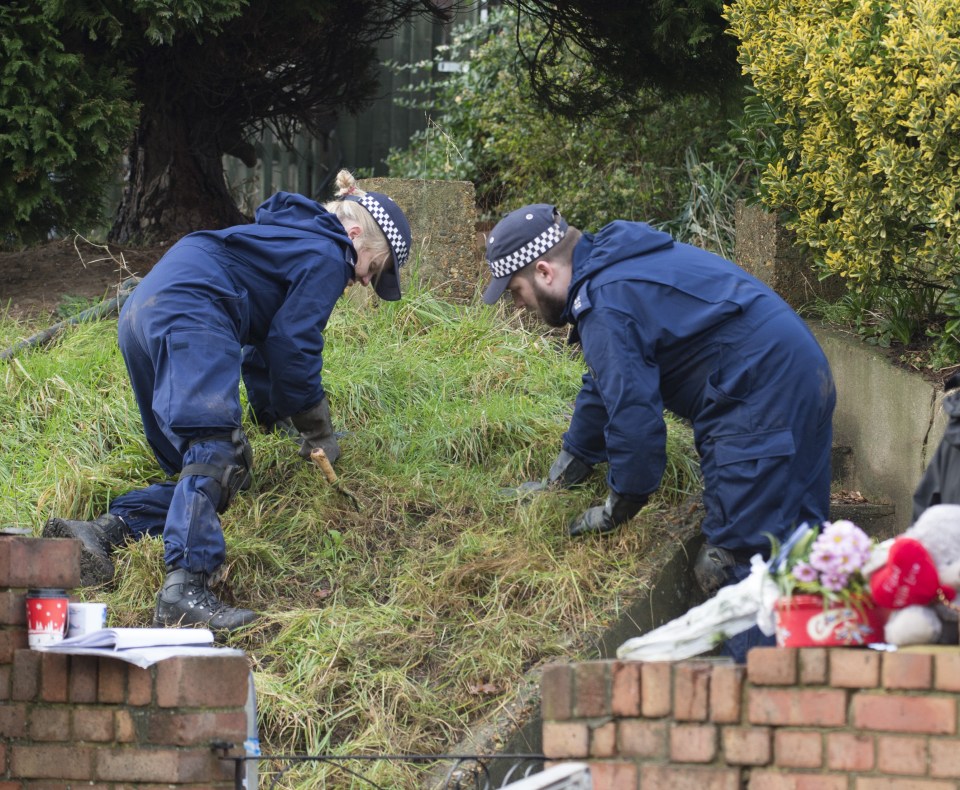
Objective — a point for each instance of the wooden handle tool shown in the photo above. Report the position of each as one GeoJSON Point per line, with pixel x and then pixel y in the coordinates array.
{"type": "Point", "coordinates": [319, 457]}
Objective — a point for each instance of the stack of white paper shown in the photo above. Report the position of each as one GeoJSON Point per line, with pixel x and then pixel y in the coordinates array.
{"type": "Point", "coordinates": [142, 646]}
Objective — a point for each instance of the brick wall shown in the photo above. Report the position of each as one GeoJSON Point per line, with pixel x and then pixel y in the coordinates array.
{"type": "Point", "coordinates": [103, 723]}
{"type": "Point", "coordinates": [830, 719]}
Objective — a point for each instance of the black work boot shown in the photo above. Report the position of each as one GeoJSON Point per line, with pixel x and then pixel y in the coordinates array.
{"type": "Point", "coordinates": [97, 541]}
{"type": "Point", "coordinates": [185, 599]}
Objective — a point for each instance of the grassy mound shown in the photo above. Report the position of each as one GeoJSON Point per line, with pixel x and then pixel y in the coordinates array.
{"type": "Point", "coordinates": [398, 628]}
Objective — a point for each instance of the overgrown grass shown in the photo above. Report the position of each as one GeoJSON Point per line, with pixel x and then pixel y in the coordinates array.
{"type": "Point", "coordinates": [391, 630]}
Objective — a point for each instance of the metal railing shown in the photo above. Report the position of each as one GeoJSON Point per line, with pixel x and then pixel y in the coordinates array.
{"type": "Point", "coordinates": [466, 771]}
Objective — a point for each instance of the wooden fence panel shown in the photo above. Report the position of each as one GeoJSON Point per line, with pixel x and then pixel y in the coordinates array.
{"type": "Point", "coordinates": [359, 143]}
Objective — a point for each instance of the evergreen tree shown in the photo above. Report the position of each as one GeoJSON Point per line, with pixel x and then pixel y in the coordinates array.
{"type": "Point", "coordinates": [205, 75]}
{"type": "Point", "coordinates": [675, 47]}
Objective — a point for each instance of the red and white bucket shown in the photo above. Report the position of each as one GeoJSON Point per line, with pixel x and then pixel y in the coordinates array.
{"type": "Point", "coordinates": [804, 621]}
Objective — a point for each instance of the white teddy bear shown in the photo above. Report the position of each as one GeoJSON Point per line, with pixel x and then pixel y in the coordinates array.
{"type": "Point", "coordinates": [919, 577]}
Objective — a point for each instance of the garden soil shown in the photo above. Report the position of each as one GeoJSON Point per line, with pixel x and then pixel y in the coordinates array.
{"type": "Point", "coordinates": [38, 284]}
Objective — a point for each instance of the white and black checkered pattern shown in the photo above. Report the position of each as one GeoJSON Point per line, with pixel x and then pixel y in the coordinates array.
{"type": "Point", "coordinates": [394, 237]}
{"type": "Point", "coordinates": [533, 249]}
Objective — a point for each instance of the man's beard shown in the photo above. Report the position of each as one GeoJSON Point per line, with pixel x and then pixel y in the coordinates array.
{"type": "Point", "coordinates": [550, 308]}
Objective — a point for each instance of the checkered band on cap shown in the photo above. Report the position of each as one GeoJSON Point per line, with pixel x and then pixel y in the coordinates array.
{"type": "Point", "coordinates": [508, 264]}
{"type": "Point", "coordinates": [398, 244]}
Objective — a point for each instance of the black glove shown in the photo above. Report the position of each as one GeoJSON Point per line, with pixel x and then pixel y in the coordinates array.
{"type": "Point", "coordinates": [316, 430]}
{"type": "Point", "coordinates": [566, 472]}
{"type": "Point", "coordinates": [616, 511]}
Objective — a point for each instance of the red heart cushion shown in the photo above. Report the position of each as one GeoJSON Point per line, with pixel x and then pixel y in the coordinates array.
{"type": "Point", "coordinates": [909, 577]}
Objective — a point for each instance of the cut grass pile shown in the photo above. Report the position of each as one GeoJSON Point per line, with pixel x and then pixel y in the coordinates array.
{"type": "Point", "coordinates": [398, 628]}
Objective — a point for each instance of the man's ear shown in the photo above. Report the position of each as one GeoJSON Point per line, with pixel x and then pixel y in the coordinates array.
{"type": "Point", "coordinates": [545, 269]}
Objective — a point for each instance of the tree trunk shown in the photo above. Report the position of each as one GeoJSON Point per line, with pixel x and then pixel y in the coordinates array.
{"type": "Point", "coordinates": [175, 183]}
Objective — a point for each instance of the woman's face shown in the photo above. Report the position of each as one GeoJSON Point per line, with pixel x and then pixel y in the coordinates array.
{"type": "Point", "coordinates": [369, 265]}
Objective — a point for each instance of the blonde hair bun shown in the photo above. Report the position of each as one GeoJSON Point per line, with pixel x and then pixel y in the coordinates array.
{"type": "Point", "coordinates": [347, 185]}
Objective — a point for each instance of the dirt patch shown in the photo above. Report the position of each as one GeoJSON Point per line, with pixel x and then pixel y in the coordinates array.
{"type": "Point", "coordinates": [37, 283]}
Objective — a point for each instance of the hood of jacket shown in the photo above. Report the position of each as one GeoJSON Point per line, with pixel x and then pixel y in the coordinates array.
{"type": "Point", "coordinates": [287, 211]}
{"type": "Point", "coordinates": [951, 405]}
{"type": "Point", "coordinates": [613, 244]}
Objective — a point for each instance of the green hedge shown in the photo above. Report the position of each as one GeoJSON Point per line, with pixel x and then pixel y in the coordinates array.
{"type": "Point", "coordinates": [485, 126]}
{"type": "Point", "coordinates": [864, 96]}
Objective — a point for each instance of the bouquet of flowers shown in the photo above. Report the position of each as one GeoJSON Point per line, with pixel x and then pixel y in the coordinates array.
{"type": "Point", "coordinates": [822, 579]}
{"type": "Point", "coordinates": [827, 561]}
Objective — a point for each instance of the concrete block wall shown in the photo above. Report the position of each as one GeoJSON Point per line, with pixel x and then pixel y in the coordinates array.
{"type": "Point", "coordinates": [839, 719]}
{"type": "Point", "coordinates": [70, 721]}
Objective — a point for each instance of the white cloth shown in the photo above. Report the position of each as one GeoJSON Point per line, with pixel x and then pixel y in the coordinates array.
{"type": "Point", "coordinates": [734, 609]}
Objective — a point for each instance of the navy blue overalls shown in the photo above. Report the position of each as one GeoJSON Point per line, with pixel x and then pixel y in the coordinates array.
{"type": "Point", "coordinates": [665, 325]}
{"type": "Point", "coordinates": [262, 292]}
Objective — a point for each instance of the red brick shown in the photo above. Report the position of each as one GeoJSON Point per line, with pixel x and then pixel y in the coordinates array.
{"type": "Point", "coordinates": [563, 740]}
{"type": "Point", "coordinates": [140, 685]}
{"type": "Point", "coordinates": [49, 723]}
{"type": "Point", "coordinates": [747, 745]}
{"type": "Point", "coordinates": [26, 675]}
{"type": "Point", "coordinates": [592, 689]}
{"type": "Point", "coordinates": [851, 668]}
{"type": "Point", "coordinates": [93, 724]}
{"type": "Point", "coordinates": [51, 762]}
{"type": "Point", "coordinates": [13, 720]}
{"type": "Point", "coordinates": [12, 640]}
{"type": "Point", "coordinates": [885, 783]}
{"type": "Point", "coordinates": [797, 707]}
{"type": "Point", "coordinates": [201, 682]}
{"type": "Point", "coordinates": [688, 777]}
{"type": "Point", "coordinates": [693, 743]}
{"type": "Point", "coordinates": [655, 689]}
{"type": "Point", "coordinates": [772, 666]}
{"type": "Point", "coordinates": [190, 729]}
{"type": "Point", "coordinates": [761, 779]}
{"type": "Point", "coordinates": [603, 740]}
{"type": "Point", "coordinates": [726, 689]}
{"type": "Point", "coordinates": [556, 692]}
{"type": "Point", "coordinates": [111, 678]}
{"type": "Point", "coordinates": [39, 562]}
{"type": "Point", "coordinates": [691, 691]}
{"type": "Point", "coordinates": [813, 666]}
{"type": "Point", "coordinates": [82, 681]}
{"type": "Point", "coordinates": [41, 785]}
{"type": "Point", "coordinates": [793, 749]}
{"type": "Point", "coordinates": [53, 677]}
{"type": "Point", "coordinates": [945, 758]}
{"type": "Point", "coordinates": [13, 608]}
{"type": "Point", "coordinates": [904, 713]}
{"type": "Point", "coordinates": [613, 776]}
{"type": "Point", "coordinates": [160, 765]}
{"type": "Point", "coordinates": [946, 671]}
{"type": "Point", "coordinates": [639, 738]}
{"type": "Point", "coordinates": [625, 692]}
{"type": "Point", "coordinates": [902, 755]}
{"type": "Point", "coordinates": [907, 671]}
{"type": "Point", "coordinates": [6, 681]}
{"type": "Point", "coordinates": [847, 751]}
{"type": "Point", "coordinates": [123, 726]}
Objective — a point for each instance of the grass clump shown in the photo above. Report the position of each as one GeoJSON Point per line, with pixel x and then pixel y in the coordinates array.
{"type": "Point", "coordinates": [395, 629]}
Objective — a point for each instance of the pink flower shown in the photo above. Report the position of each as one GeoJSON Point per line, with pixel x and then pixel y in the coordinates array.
{"type": "Point", "coordinates": [834, 581]}
{"type": "Point", "coordinates": [842, 547]}
{"type": "Point", "coordinates": [805, 572]}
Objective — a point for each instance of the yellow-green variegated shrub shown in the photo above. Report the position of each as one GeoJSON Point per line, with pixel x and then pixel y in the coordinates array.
{"type": "Point", "coordinates": [865, 95]}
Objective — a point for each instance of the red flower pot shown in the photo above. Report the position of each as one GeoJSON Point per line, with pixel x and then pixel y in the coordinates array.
{"type": "Point", "coordinates": [803, 621]}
